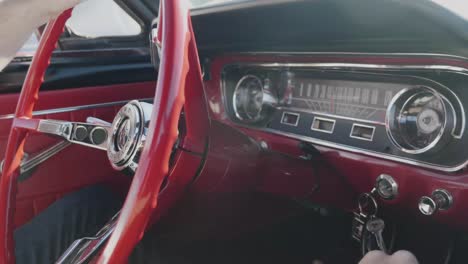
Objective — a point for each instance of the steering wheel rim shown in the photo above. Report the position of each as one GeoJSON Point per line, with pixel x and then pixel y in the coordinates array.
{"type": "Point", "coordinates": [179, 68]}
{"type": "Point", "coordinates": [19, 130]}
{"type": "Point", "coordinates": [176, 37]}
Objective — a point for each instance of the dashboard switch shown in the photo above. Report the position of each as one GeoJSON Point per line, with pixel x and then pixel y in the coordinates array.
{"type": "Point", "coordinates": [81, 132]}
{"type": "Point", "coordinates": [98, 135]}
{"type": "Point", "coordinates": [439, 200]}
{"type": "Point", "coordinates": [386, 187]}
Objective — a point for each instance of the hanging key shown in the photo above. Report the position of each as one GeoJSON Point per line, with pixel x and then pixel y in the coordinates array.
{"type": "Point", "coordinates": [367, 206]}
{"type": "Point", "coordinates": [376, 226]}
{"type": "Point", "coordinates": [358, 225]}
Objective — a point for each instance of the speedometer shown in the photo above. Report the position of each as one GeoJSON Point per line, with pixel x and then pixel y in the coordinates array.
{"type": "Point", "coordinates": [248, 98]}
{"type": "Point", "coordinates": [418, 119]}
{"type": "Point", "coordinates": [253, 99]}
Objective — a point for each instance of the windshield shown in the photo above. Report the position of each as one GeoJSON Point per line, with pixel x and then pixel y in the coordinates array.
{"type": "Point", "coordinates": [458, 7]}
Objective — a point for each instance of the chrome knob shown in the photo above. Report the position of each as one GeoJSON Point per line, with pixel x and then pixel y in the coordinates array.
{"type": "Point", "coordinates": [98, 135]}
{"type": "Point", "coordinates": [439, 200]}
{"type": "Point", "coordinates": [386, 186]}
{"type": "Point", "coordinates": [427, 205]}
{"type": "Point", "coordinates": [81, 132]}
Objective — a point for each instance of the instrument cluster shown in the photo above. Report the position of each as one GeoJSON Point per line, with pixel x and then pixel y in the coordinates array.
{"type": "Point", "coordinates": [412, 116]}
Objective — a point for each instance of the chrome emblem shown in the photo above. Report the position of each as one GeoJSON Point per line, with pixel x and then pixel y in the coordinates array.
{"type": "Point", "coordinates": [123, 135]}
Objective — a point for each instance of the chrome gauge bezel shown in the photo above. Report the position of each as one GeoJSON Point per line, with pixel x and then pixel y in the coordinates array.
{"type": "Point", "coordinates": [237, 112]}
{"type": "Point", "coordinates": [448, 111]}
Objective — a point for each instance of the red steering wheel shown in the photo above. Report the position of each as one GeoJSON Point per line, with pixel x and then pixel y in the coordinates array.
{"type": "Point", "coordinates": [179, 78]}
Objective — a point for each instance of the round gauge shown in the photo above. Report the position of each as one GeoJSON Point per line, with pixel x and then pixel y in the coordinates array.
{"type": "Point", "coordinates": [417, 119]}
{"type": "Point", "coordinates": [248, 98]}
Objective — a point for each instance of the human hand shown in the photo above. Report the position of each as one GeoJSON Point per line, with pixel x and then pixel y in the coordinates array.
{"type": "Point", "coordinates": [19, 19]}
{"type": "Point", "coordinates": [380, 257]}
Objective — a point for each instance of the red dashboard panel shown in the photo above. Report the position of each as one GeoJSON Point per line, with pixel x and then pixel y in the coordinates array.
{"type": "Point", "coordinates": [342, 174]}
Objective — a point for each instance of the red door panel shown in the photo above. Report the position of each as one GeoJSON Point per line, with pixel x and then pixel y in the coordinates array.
{"type": "Point", "coordinates": [75, 166]}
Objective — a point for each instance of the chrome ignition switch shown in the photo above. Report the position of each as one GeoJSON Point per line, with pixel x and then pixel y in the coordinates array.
{"type": "Point", "coordinates": [386, 187]}
{"type": "Point", "coordinates": [439, 200]}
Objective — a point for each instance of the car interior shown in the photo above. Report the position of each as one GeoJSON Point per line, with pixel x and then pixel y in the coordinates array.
{"type": "Point", "coordinates": [310, 131]}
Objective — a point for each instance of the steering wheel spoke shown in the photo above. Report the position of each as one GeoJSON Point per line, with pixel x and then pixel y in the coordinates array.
{"type": "Point", "coordinates": [94, 135]}
{"type": "Point", "coordinates": [86, 134]}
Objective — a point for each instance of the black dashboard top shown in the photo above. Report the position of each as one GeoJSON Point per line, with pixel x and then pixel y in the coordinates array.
{"type": "Point", "coordinates": [381, 26]}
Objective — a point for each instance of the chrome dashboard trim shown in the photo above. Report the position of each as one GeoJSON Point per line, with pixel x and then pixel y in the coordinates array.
{"type": "Point", "coordinates": [357, 54]}
{"type": "Point", "coordinates": [362, 126]}
{"type": "Point", "coordinates": [290, 113]}
{"type": "Point", "coordinates": [333, 116]}
{"type": "Point", "coordinates": [75, 108]}
{"type": "Point", "coordinates": [345, 66]}
{"type": "Point", "coordinates": [361, 151]}
{"type": "Point", "coordinates": [317, 118]}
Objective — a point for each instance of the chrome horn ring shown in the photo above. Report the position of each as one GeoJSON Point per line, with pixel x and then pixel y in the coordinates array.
{"type": "Point", "coordinates": [128, 136]}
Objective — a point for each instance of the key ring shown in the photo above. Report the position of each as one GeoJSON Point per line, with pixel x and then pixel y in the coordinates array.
{"type": "Point", "coordinates": [365, 200]}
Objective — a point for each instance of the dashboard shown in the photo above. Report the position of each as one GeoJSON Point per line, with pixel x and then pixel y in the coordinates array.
{"type": "Point", "coordinates": [407, 113]}
{"type": "Point", "coordinates": [349, 123]}
{"type": "Point", "coordinates": [343, 101]}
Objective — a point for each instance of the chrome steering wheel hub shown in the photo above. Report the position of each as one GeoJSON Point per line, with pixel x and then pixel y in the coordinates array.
{"type": "Point", "coordinates": [128, 135]}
